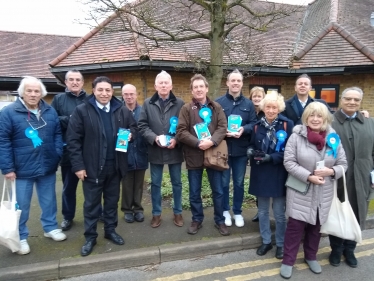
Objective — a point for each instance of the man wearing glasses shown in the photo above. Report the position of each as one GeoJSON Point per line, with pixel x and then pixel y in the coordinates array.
{"type": "Point", "coordinates": [64, 104]}
{"type": "Point", "coordinates": [357, 136]}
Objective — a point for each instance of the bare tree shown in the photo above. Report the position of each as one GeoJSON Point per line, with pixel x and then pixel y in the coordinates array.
{"type": "Point", "coordinates": [213, 35]}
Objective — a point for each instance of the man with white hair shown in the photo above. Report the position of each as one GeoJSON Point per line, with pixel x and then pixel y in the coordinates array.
{"type": "Point", "coordinates": [31, 148]}
{"type": "Point", "coordinates": [157, 124]}
{"type": "Point", "coordinates": [357, 136]}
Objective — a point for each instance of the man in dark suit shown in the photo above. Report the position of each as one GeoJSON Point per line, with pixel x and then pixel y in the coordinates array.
{"type": "Point", "coordinates": [91, 140]}
{"type": "Point", "coordinates": [295, 105]}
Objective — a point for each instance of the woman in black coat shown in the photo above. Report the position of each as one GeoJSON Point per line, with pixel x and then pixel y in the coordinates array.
{"type": "Point", "coordinates": [268, 175]}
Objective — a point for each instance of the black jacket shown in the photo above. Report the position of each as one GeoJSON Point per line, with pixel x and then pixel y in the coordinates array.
{"type": "Point", "coordinates": [64, 104]}
{"type": "Point", "coordinates": [291, 111]}
{"type": "Point", "coordinates": [86, 141]}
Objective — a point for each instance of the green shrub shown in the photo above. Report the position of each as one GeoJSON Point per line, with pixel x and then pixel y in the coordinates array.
{"type": "Point", "coordinates": [206, 192]}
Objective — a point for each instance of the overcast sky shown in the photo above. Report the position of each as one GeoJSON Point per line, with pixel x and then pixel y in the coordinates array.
{"type": "Point", "coordinates": [54, 16]}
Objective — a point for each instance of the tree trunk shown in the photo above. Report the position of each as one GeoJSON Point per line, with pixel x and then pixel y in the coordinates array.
{"type": "Point", "coordinates": [214, 69]}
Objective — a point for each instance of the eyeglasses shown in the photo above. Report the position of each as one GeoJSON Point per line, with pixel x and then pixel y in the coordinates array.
{"type": "Point", "coordinates": [36, 126]}
{"type": "Point", "coordinates": [350, 99]}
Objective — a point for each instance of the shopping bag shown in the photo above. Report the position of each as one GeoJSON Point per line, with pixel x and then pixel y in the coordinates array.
{"type": "Point", "coordinates": [9, 219]}
{"type": "Point", "coordinates": [216, 157]}
{"type": "Point", "coordinates": [341, 221]}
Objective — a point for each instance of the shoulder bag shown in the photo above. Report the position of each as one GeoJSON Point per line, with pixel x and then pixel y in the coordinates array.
{"type": "Point", "coordinates": [341, 221]}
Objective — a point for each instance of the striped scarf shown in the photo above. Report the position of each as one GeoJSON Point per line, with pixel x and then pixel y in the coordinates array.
{"type": "Point", "coordinates": [270, 141]}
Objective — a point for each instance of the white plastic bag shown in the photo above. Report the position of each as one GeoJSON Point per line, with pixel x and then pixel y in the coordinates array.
{"type": "Point", "coordinates": [9, 219]}
{"type": "Point", "coordinates": [342, 221]}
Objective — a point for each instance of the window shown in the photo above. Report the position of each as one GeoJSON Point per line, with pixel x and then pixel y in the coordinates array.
{"type": "Point", "coordinates": [117, 87]}
{"type": "Point", "coordinates": [328, 93]}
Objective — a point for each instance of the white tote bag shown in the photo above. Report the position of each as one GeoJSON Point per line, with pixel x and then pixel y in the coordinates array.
{"type": "Point", "coordinates": [341, 221]}
{"type": "Point", "coordinates": [9, 219]}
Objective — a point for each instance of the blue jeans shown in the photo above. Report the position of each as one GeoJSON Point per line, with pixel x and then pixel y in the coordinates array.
{"type": "Point", "coordinates": [238, 166]}
{"type": "Point", "coordinates": [215, 181]}
{"type": "Point", "coordinates": [176, 181]}
{"type": "Point", "coordinates": [69, 190]}
{"type": "Point", "coordinates": [279, 204]}
{"type": "Point", "coordinates": [45, 188]}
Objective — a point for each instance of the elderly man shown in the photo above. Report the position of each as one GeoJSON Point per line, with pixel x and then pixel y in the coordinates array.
{"type": "Point", "coordinates": [357, 136]}
{"type": "Point", "coordinates": [295, 105]}
{"type": "Point", "coordinates": [31, 148]}
{"type": "Point", "coordinates": [132, 184]}
{"type": "Point", "coordinates": [157, 124]}
{"type": "Point", "coordinates": [193, 149]}
{"type": "Point", "coordinates": [92, 137]}
{"type": "Point", "coordinates": [234, 103]}
{"type": "Point", "coordinates": [64, 104]}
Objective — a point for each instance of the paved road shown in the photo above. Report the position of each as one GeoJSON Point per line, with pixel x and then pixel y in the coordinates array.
{"type": "Point", "coordinates": [246, 265]}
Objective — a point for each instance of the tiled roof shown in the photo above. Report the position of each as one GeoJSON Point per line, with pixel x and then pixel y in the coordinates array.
{"type": "Point", "coordinates": [274, 47]}
{"type": "Point", "coordinates": [336, 33]}
{"type": "Point", "coordinates": [29, 53]}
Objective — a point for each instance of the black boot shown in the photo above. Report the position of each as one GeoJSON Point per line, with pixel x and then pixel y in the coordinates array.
{"type": "Point", "coordinates": [349, 248]}
{"type": "Point", "coordinates": [336, 245]}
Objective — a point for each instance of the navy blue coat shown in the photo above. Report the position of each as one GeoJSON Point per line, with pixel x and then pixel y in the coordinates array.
{"type": "Point", "coordinates": [17, 151]}
{"type": "Point", "coordinates": [268, 179]}
{"type": "Point", "coordinates": [137, 152]}
{"type": "Point", "coordinates": [245, 108]}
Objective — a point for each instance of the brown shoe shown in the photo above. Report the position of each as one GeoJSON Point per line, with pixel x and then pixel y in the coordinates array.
{"type": "Point", "coordinates": [156, 221]}
{"type": "Point", "coordinates": [194, 227]}
{"type": "Point", "coordinates": [178, 220]}
{"type": "Point", "coordinates": [222, 228]}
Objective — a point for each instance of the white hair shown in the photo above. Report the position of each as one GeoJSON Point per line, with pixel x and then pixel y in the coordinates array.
{"type": "Point", "coordinates": [163, 73]}
{"type": "Point", "coordinates": [356, 89]}
{"type": "Point", "coordinates": [31, 80]}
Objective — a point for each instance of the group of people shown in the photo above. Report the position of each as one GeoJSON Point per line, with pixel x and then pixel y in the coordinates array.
{"type": "Point", "coordinates": [279, 138]}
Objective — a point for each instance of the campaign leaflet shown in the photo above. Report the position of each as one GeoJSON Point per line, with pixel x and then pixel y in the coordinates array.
{"type": "Point", "coordinates": [234, 123]}
{"type": "Point", "coordinates": [164, 140]}
{"type": "Point", "coordinates": [122, 140]}
{"type": "Point", "coordinates": [202, 131]}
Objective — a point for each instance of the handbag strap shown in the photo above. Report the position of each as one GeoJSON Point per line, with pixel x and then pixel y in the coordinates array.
{"type": "Point", "coordinates": [344, 184]}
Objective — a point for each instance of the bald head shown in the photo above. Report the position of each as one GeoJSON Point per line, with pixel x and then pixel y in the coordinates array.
{"type": "Point", "coordinates": [129, 95]}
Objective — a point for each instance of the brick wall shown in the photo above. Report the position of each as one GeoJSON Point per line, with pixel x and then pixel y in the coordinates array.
{"type": "Point", "coordinates": [144, 82]}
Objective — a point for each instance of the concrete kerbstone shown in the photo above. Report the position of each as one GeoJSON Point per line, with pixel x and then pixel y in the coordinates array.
{"type": "Point", "coordinates": [251, 241]}
{"type": "Point", "coordinates": [200, 248]}
{"type": "Point", "coordinates": [107, 262]}
{"type": "Point", "coordinates": [31, 272]}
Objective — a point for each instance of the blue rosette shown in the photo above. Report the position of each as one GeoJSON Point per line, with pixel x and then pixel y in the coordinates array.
{"type": "Point", "coordinates": [333, 141]}
{"type": "Point", "coordinates": [34, 136]}
{"type": "Point", "coordinates": [206, 113]}
{"type": "Point", "coordinates": [173, 125]}
{"type": "Point", "coordinates": [281, 137]}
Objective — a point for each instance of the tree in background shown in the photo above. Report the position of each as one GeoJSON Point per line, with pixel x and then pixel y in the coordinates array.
{"type": "Point", "coordinates": [209, 35]}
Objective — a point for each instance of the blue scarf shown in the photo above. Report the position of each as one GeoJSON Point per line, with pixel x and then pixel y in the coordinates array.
{"type": "Point", "coordinates": [270, 141]}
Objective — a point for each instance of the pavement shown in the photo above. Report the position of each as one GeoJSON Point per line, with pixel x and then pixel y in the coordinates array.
{"type": "Point", "coordinates": [144, 245]}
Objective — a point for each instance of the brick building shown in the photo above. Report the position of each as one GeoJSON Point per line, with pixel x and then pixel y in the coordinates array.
{"type": "Point", "coordinates": [331, 40]}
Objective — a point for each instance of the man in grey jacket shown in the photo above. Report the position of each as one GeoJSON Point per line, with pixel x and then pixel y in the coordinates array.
{"type": "Point", "coordinates": [64, 104]}
{"type": "Point", "coordinates": [157, 124]}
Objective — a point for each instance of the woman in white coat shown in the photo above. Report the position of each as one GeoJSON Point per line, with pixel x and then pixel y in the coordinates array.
{"type": "Point", "coordinates": [310, 143]}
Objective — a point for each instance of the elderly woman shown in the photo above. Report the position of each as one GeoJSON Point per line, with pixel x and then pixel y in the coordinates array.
{"type": "Point", "coordinates": [312, 142]}
{"type": "Point", "coordinates": [268, 175]}
{"type": "Point", "coordinates": [30, 149]}
{"type": "Point", "coordinates": [256, 95]}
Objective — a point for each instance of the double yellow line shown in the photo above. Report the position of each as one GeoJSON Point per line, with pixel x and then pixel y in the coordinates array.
{"type": "Point", "coordinates": [258, 274]}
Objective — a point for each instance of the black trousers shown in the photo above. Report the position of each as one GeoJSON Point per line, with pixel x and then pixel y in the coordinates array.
{"type": "Point", "coordinates": [108, 188]}
{"type": "Point", "coordinates": [132, 192]}
{"type": "Point", "coordinates": [69, 197]}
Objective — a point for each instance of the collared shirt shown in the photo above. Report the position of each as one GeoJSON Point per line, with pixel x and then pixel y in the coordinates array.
{"type": "Point", "coordinates": [350, 117]}
{"type": "Point", "coordinates": [100, 106]}
{"type": "Point", "coordinates": [303, 104]}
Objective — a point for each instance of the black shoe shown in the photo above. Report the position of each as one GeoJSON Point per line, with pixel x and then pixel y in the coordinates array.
{"type": "Point", "coordinates": [115, 238]}
{"type": "Point", "coordinates": [350, 258]}
{"type": "Point", "coordinates": [87, 247]}
{"type": "Point", "coordinates": [263, 249]}
{"type": "Point", "coordinates": [66, 224]}
{"type": "Point", "coordinates": [335, 257]}
{"type": "Point", "coordinates": [129, 217]}
{"type": "Point", "coordinates": [279, 253]}
{"type": "Point", "coordinates": [139, 217]}
{"type": "Point", "coordinates": [255, 218]}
